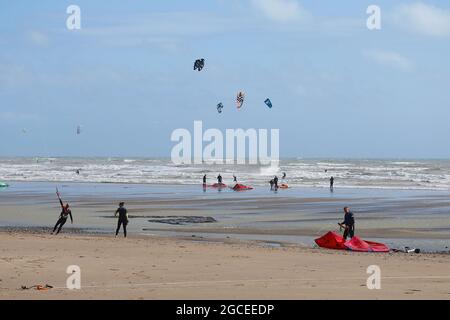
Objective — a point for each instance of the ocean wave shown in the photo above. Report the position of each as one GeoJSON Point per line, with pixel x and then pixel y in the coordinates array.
{"type": "Point", "coordinates": [430, 175]}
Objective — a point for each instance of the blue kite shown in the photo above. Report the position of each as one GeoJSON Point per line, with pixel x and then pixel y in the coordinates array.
{"type": "Point", "coordinates": [268, 103]}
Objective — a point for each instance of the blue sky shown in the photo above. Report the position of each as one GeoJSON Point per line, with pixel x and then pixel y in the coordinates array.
{"type": "Point", "coordinates": [338, 89]}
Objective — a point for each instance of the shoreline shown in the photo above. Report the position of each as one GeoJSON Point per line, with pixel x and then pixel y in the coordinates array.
{"type": "Point", "coordinates": [324, 186]}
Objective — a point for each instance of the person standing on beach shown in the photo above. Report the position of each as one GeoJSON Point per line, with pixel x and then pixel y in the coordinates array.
{"type": "Point", "coordinates": [65, 212]}
{"type": "Point", "coordinates": [348, 224]}
{"type": "Point", "coordinates": [219, 179]}
{"type": "Point", "coordinates": [123, 219]}
{"type": "Point", "coordinates": [204, 180]}
{"type": "Point", "coordinates": [234, 178]}
{"type": "Point", "coordinates": [332, 183]}
{"type": "Point", "coordinates": [275, 182]}
{"type": "Point", "coordinates": [271, 184]}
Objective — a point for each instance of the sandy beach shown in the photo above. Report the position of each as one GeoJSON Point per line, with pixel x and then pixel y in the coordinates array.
{"type": "Point", "coordinates": [187, 244]}
{"type": "Point", "coordinates": [162, 268]}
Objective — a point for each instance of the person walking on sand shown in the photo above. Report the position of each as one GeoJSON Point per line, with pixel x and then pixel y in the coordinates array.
{"type": "Point", "coordinates": [332, 183]}
{"type": "Point", "coordinates": [123, 219]}
{"type": "Point", "coordinates": [348, 224]}
{"type": "Point", "coordinates": [65, 212]}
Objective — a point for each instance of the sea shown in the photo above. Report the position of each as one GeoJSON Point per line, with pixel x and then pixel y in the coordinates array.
{"type": "Point", "coordinates": [408, 174]}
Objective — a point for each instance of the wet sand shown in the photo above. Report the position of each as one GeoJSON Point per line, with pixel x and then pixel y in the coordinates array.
{"type": "Point", "coordinates": [399, 218]}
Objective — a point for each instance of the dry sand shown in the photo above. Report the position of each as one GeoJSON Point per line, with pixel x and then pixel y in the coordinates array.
{"type": "Point", "coordinates": [163, 268]}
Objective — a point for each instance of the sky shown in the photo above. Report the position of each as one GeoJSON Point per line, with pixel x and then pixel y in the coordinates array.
{"type": "Point", "coordinates": [339, 90]}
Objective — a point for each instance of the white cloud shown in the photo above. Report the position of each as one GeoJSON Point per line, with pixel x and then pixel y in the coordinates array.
{"type": "Point", "coordinates": [423, 19]}
{"type": "Point", "coordinates": [281, 10]}
{"type": "Point", "coordinates": [38, 38]}
{"type": "Point", "coordinates": [390, 59]}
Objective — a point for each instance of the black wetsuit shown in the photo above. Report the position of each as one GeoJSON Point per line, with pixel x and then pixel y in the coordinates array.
{"type": "Point", "coordinates": [204, 179]}
{"type": "Point", "coordinates": [234, 179]}
{"type": "Point", "coordinates": [331, 183]}
{"type": "Point", "coordinates": [123, 220]}
{"type": "Point", "coordinates": [349, 222]}
{"type": "Point", "coordinates": [219, 179]}
{"type": "Point", "coordinates": [275, 182]}
{"type": "Point", "coordinates": [62, 218]}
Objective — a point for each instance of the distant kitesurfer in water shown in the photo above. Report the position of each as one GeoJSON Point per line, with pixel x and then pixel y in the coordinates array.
{"type": "Point", "coordinates": [219, 179]}
{"type": "Point", "coordinates": [65, 212]}
{"type": "Point", "coordinates": [284, 175]}
{"type": "Point", "coordinates": [348, 223]}
{"type": "Point", "coordinates": [332, 183]}
{"type": "Point", "coordinates": [234, 178]}
{"type": "Point", "coordinates": [123, 219]}
{"type": "Point", "coordinates": [275, 182]}
{"type": "Point", "coordinates": [78, 171]}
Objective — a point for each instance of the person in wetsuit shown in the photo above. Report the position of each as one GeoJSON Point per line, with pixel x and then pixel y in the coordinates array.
{"type": "Point", "coordinates": [219, 178]}
{"type": "Point", "coordinates": [275, 182]}
{"type": "Point", "coordinates": [65, 212]}
{"type": "Point", "coordinates": [123, 219]}
{"type": "Point", "coordinates": [332, 183]}
{"type": "Point", "coordinates": [271, 184]}
{"type": "Point", "coordinates": [234, 178]}
{"type": "Point", "coordinates": [204, 180]}
{"type": "Point", "coordinates": [284, 175]}
{"type": "Point", "coordinates": [348, 223]}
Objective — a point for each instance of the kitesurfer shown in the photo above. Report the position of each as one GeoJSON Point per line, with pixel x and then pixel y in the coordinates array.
{"type": "Point", "coordinates": [348, 224]}
{"type": "Point", "coordinates": [284, 175]}
{"type": "Point", "coordinates": [332, 183]}
{"type": "Point", "coordinates": [123, 219]}
{"type": "Point", "coordinates": [234, 178]}
{"type": "Point", "coordinates": [65, 212]}
{"type": "Point", "coordinates": [219, 179]}
{"type": "Point", "coordinates": [275, 182]}
{"type": "Point", "coordinates": [271, 184]}
{"type": "Point", "coordinates": [204, 180]}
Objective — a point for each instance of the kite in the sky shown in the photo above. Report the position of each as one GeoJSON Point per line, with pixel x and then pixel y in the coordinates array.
{"type": "Point", "coordinates": [199, 64]}
{"type": "Point", "coordinates": [240, 99]}
{"type": "Point", "coordinates": [268, 103]}
{"type": "Point", "coordinates": [219, 107]}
